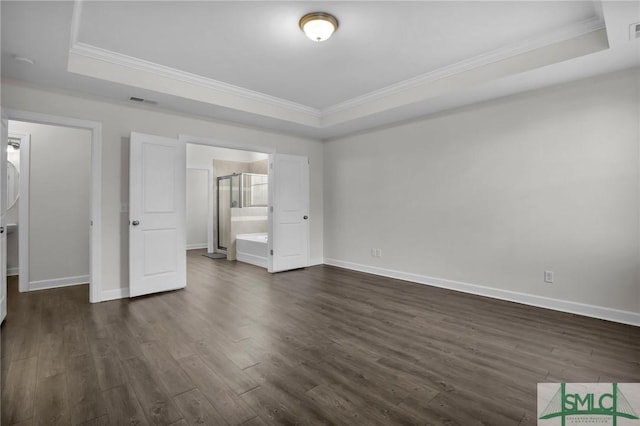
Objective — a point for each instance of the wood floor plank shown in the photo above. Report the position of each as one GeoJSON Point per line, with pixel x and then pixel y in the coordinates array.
{"type": "Point", "coordinates": [338, 409]}
{"type": "Point", "coordinates": [51, 356]}
{"type": "Point", "coordinates": [235, 378]}
{"type": "Point", "coordinates": [321, 345]}
{"type": "Point", "coordinates": [124, 344]}
{"type": "Point", "coordinates": [224, 399]}
{"type": "Point", "coordinates": [75, 341]}
{"type": "Point", "coordinates": [84, 389]}
{"type": "Point", "coordinates": [100, 421]}
{"type": "Point", "coordinates": [24, 338]}
{"type": "Point", "coordinates": [52, 401]}
{"type": "Point", "coordinates": [123, 407]}
{"type": "Point", "coordinates": [157, 406]}
{"type": "Point", "coordinates": [197, 410]}
{"type": "Point", "coordinates": [174, 379]}
{"type": "Point", "coordinates": [24, 423]}
{"type": "Point", "coordinates": [107, 363]}
{"type": "Point", "coordinates": [18, 395]}
{"type": "Point", "coordinates": [271, 410]}
{"type": "Point", "coordinates": [256, 421]}
{"type": "Point", "coordinates": [181, 422]}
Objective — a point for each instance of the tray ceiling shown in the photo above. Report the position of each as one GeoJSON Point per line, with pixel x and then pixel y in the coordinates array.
{"type": "Point", "coordinates": [249, 62]}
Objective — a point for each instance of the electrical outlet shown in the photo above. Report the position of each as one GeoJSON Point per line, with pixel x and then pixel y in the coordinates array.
{"type": "Point", "coordinates": [373, 252]}
{"type": "Point", "coordinates": [548, 277]}
{"type": "Point", "coordinates": [378, 252]}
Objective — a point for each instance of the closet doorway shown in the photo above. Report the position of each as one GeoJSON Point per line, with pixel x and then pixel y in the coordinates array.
{"type": "Point", "coordinates": [57, 215]}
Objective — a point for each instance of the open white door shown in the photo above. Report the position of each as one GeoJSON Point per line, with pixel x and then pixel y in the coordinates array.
{"type": "Point", "coordinates": [157, 199]}
{"type": "Point", "coordinates": [288, 212]}
{"type": "Point", "coordinates": [3, 218]}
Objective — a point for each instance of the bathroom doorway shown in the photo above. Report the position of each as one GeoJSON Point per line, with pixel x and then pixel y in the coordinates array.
{"type": "Point", "coordinates": [286, 244]}
{"type": "Point", "coordinates": [56, 218]}
{"type": "Point", "coordinates": [227, 196]}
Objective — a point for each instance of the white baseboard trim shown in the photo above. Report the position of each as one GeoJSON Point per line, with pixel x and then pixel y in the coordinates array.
{"type": "Point", "coordinates": [13, 271]}
{"type": "Point", "coordinates": [118, 293]}
{"type": "Point", "coordinates": [314, 262]}
{"type": "Point", "coordinates": [600, 312]}
{"type": "Point", "coordinates": [58, 282]}
{"type": "Point", "coordinates": [197, 246]}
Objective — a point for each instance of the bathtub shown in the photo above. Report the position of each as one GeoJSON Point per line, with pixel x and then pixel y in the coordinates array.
{"type": "Point", "coordinates": [252, 248]}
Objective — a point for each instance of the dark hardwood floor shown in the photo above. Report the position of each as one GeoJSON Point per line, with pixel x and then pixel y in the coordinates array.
{"type": "Point", "coordinates": [316, 346]}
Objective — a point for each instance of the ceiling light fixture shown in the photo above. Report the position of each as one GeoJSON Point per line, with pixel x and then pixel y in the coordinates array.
{"type": "Point", "coordinates": [318, 26]}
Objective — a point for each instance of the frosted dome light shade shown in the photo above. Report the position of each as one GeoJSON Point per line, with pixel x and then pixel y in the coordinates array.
{"type": "Point", "coordinates": [318, 26]}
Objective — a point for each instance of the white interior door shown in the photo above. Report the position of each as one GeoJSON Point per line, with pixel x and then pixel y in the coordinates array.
{"type": "Point", "coordinates": [157, 200]}
{"type": "Point", "coordinates": [3, 218]}
{"type": "Point", "coordinates": [288, 212]}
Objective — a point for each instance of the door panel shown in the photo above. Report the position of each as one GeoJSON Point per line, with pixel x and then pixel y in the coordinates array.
{"type": "Point", "coordinates": [289, 212]}
{"type": "Point", "coordinates": [157, 229]}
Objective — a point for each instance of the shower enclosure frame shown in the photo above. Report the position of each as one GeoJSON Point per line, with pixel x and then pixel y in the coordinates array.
{"type": "Point", "coordinates": [218, 215]}
{"type": "Point", "coordinates": [241, 202]}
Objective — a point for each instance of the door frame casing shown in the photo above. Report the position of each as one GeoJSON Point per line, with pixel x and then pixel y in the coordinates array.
{"type": "Point", "coordinates": [23, 207]}
{"type": "Point", "coordinates": [95, 266]}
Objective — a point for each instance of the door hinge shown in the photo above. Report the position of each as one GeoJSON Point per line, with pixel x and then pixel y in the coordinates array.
{"type": "Point", "coordinates": [271, 252]}
{"type": "Point", "coordinates": [271, 209]}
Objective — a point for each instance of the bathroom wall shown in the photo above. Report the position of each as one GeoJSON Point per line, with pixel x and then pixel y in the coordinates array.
{"type": "Point", "coordinates": [60, 176]}
{"type": "Point", "coordinates": [197, 208]}
{"type": "Point", "coordinates": [226, 168]}
{"type": "Point", "coordinates": [259, 167]}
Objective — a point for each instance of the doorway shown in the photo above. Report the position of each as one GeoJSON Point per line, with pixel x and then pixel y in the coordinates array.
{"type": "Point", "coordinates": [164, 162]}
{"type": "Point", "coordinates": [58, 208]}
{"type": "Point", "coordinates": [230, 187]}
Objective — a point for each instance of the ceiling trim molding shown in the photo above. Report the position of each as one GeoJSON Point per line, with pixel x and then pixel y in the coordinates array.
{"type": "Point", "coordinates": [509, 51]}
{"type": "Point", "coordinates": [239, 98]}
{"type": "Point", "coordinates": [98, 53]}
{"type": "Point", "coordinates": [75, 23]}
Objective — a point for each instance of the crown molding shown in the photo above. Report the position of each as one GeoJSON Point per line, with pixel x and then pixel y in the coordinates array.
{"type": "Point", "coordinates": [104, 55]}
{"type": "Point", "coordinates": [236, 97]}
{"type": "Point", "coordinates": [509, 51]}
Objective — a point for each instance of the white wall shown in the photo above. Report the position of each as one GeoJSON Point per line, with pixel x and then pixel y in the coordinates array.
{"type": "Point", "coordinates": [60, 176]}
{"type": "Point", "coordinates": [197, 208]}
{"type": "Point", "coordinates": [200, 156]}
{"type": "Point", "coordinates": [118, 120]}
{"type": "Point", "coordinates": [496, 193]}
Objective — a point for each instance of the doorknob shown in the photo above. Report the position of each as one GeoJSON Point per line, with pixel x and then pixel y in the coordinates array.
{"type": "Point", "coordinates": [305, 217]}
{"type": "Point", "coordinates": [135, 223]}
{"type": "Point", "coordinates": [1, 229]}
